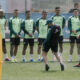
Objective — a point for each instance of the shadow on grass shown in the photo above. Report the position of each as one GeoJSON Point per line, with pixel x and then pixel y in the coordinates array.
{"type": "Point", "coordinates": [50, 71]}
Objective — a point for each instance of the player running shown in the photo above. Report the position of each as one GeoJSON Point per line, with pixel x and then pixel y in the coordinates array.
{"type": "Point", "coordinates": [51, 42]}
{"type": "Point", "coordinates": [29, 26]}
{"type": "Point", "coordinates": [42, 32]}
{"type": "Point", "coordinates": [60, 21]}
{"type": "Point", "coordinates": [74, 24]}
{"type": "Point", "coordinates": [15, 29]}
{"type": "Point", "coordinates": [3, 24]}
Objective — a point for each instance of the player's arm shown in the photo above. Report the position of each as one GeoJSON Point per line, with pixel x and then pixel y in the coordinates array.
{"type": "Point", "coordinates": [11, 29]}
{"type": "Point", "coordinates": [63, 22]}
{"type": "Point", "coordinates": [34, 27]}
{"type": "Point", "coordinates": [20, 27]}
{"type": "Point", "coordinates": [6, 23]}
{"type": "Point", "coordinates": [37, 25]}
{"type": "Point", "coordinates": [69, 25]}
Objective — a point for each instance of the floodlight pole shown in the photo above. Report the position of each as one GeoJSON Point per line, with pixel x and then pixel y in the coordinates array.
{"type": "Point", "coordinates": [25, 5]}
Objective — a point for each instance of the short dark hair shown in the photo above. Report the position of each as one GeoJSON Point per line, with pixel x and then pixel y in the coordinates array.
{"type": "Point", "coordinates": [15, 9]}
{"type": "Point", "coordinates": [57, 7]}
{"type": "Point", "coordinates": [44, 11]}
{"type": "Point", "coordinates": [28, 11]}
{"type": "Point", "coordinates": [75, 9]}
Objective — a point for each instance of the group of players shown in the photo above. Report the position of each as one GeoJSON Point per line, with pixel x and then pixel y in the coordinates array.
{"type": "Point", "coordinates": [47, 35]}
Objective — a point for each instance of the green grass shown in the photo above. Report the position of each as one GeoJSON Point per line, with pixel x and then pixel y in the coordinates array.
{"type": "Point", "coordinates": [35, 71]}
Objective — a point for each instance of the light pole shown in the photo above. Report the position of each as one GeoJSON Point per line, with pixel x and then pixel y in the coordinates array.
{"type": "Point", "coordinates": [25, 5]}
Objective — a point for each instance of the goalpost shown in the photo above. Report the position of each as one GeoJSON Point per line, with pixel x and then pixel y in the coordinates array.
{"type": "Point", "coordinates": [0, 53]}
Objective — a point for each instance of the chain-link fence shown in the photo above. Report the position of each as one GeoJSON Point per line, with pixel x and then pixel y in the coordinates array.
{"type": "Point", "coordinates": [22, 5]}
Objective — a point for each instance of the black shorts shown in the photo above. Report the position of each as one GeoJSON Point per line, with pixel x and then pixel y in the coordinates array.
{"type": "Point", "coordinates": [40, 41]}
{"type": "Point", "coordinates": [29, 41]}
{"type": "Point", "coordinates": [74, 39]}
{"type": "Point", "coordinates": [54, 48]}
{"type": "Point", "coordinates": [15, 41]}
{"type": "Point", "coordinates": [60, 39]}
{"type": "Point", "coordinates": [3, 43]}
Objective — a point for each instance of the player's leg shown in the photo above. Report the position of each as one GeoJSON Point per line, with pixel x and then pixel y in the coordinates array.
{"type": "Point", "coordinates": [71, 51]}
{"type": "Point", "coordinates": [44, 54]}
{"type": "Point", "coordinates": [15, 50]}
{"type": "Point", "coordinates": [55, 50]}
{"type": "Point", "coordinates": [31, 44]}
{"type": "Point", "coordinates": [25, 44]}
{"type": "Point", "coordinates": [61, 48]}
{"type": "Point", "coordinates": [78, 51]}
{"type": "Point", "coordinates": [24, 53]}
{"type": "Point", "coordinates": [11, 50]}
{"type": "Point", "coordinates": [12, 46]}
{"type": "Point", "coordinates": [72, 42]}
{"type": "Point", "coordinates": [39, 48]}
{"type": "Point", "coordinates": [17, 42]}
{"type": "Point", "coordinates": [60, 45]}
{"type": "Point", "coordinates": [60, 42]}
{"type": "Point", "coordinates": [4, 50]}
{"type": "Point", "coordinates": [60, 60]}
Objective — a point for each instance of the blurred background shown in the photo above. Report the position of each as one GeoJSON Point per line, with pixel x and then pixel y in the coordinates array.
{"type": "Point", "coordinates": [36, 6]}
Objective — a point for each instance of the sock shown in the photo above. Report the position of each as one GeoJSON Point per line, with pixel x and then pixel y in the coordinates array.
{"type": "Point", "coordinates": [5, 55]}
{"type": "Point", "coordinates": [41, 58]}
{"type": "Point", "coordinates": [53, 55]}
{"type": "Point", "coordinates": [12, 57]}
{"type": "Point", "coordinates": [79, 57]}
{"type": "Point", "coordinates": [60, 54]}
{"type": "Point", "coordinates": [23, 56]}
{"type": "Point", "coordinates": [70, 57]}
{"type": "Point", "coordinates": [31, 56]}
{"type": "Point", "coordinates": [61, 62]}
{"type": "Point", "coordinates": [38, 56]}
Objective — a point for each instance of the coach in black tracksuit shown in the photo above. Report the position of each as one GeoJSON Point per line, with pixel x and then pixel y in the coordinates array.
{"type": "Point", "coordinates": [51, 42]}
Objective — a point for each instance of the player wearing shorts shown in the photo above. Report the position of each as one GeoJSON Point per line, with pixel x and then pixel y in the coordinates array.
{"type": "Point", "coordinates": [74, 24]}
{"type": "Point", "coordinates": [60, 21]}
{"type": "Point", "coordinates": [42, 32]}
{"type": "Point", "coordinates": [78, 37]}
{"type": "Point", "coordinates": [51, 42]}
{"type": "Point", "coordinates": [29, 26]}
{"type": "Point", "coordinates": [15, 29]}
{"type": "Point", "coordinates": [3, 23]}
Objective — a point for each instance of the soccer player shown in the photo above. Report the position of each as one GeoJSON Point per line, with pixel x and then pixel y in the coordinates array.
{"type": "Point", "coordinates": [51, 42]}
{"type": "Point", "coordinates": [74, 24]}
{"type": "Point", "coordinates": [15, 29]}
{"type": "Point", "coordinates": [42, 32]}
{"type": "Point", "coordinates": [29, 26]}
{"type": "Point", "coordinates": [60, 21]}
{"type": "Point", "coordinates": [3, 24]}
{"type": "Point", "coordinates": [78, 37]}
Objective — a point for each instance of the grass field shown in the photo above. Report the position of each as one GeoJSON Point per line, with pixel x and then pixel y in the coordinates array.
{"type": "Point", "coordinates": [35, 71]}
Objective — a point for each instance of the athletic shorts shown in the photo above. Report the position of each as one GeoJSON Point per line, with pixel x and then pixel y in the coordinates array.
{"type": "Point", "coordinates": [15, 41]}
{"type": "Point", "coordinates": [54, 48]}
{"type": "Point", "coordinates": [3, 43]}
{"type": "Point", "coordinates": [73, 39]}
{"type": "Point", "coordinates": [29, 41]}
{"type": "Point", "coordinates": [60, 39]}
{"type": "Point", "coordinates": [40, 41]}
